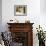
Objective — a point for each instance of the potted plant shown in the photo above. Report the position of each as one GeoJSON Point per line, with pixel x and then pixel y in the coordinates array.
{"type": "Point", "coordinates": [41, 36]}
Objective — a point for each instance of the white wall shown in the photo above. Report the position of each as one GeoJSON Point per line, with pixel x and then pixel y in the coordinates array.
{"type": "Point", "coordinates": [33, 10]}
{"type": "Point", "coordinates": [0, 15]}
{"type": "Point", "coordinates": [43, 14]}
{"type": "Point", "coordinates": [33, 14]}
{"type": "Point", "coordinates": [43, 6]}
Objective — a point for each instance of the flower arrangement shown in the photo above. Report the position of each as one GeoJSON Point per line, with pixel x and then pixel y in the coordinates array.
{"type": "Point", "coordinates": [40, 34]}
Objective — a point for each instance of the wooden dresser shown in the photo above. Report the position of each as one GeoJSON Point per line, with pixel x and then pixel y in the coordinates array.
{"type": "Point", "coordinates": [22, 33]}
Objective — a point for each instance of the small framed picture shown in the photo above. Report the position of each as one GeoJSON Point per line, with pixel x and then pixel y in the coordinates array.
{"type": "Point", "coordinates": [20, 10]}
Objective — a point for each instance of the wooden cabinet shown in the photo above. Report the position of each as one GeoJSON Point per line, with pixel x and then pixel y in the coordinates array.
{"type": "Point", "coordinates": [22, 33]}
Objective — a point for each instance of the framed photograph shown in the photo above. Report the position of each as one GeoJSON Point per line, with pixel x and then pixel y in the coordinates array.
{"type": "Point", "coordinates": [20, 10]}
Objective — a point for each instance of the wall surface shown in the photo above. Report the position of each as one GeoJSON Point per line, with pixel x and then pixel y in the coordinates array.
{"type": "Point", "coordinates": [33, 11]}
{"type": "Point", "coordinates": [43, 6]}
{"type": "Point", "coordinates": [0, 15]}
{"type": "Point", "coordinates": [34, 14]}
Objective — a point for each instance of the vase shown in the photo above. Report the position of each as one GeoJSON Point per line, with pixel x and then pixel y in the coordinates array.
{"type": "Point", "coordinates": [41, 43]}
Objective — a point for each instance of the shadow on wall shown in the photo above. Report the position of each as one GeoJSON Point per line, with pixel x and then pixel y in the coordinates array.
{"type": "Point", "coordinates": [43, 6]}
{"type": "Point", "coordinates": [0, 15]}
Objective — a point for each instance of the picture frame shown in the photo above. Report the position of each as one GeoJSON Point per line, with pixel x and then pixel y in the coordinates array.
{"type": "Point", "coordinates": [20, 10]}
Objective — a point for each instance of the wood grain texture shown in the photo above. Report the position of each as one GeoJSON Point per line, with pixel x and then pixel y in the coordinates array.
{"type": "Point", "coordinates": [23, 27]}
